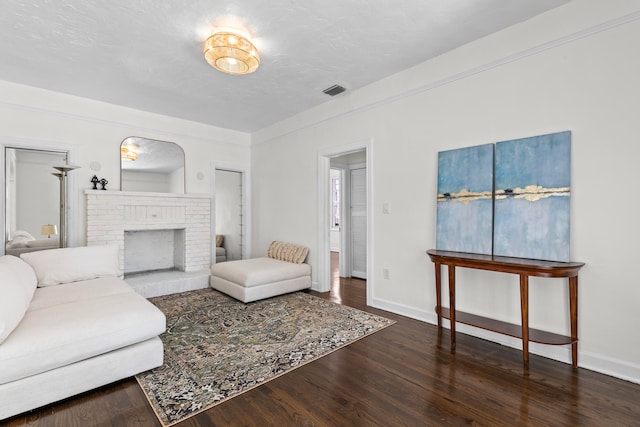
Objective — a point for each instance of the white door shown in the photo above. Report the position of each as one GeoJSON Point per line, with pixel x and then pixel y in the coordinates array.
{"type": "Point", "coordinates": [359, 223]}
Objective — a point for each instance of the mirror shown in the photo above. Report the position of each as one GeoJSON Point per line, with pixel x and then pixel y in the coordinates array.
{"type": "Point", "coordinates": [32, 200]}
{"type": "Point", "coordinates": [229, 215]}
{"type": "Point", "coordinates": [149, 165]}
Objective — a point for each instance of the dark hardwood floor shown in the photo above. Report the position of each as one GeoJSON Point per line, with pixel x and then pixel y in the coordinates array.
{"type": "Point", "coordinates": [403, 375]}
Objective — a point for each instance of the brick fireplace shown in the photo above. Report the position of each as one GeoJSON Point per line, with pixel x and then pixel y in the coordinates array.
{"type": "Point", "coordinates": [110, 214]}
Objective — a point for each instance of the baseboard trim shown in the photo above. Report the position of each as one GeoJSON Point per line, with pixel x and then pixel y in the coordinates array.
{"type": "Point", "coordinates": [592, 361]}
{"type": "Point", "coordinates": [610, 366]}
{"type": "Point", "coordinates": [405, 310]}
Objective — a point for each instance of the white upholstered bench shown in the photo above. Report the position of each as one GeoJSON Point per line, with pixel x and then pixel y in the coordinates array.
{"type": "Point", "coordinates": [280, 272]}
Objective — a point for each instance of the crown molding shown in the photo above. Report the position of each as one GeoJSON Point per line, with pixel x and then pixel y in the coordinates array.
{"type": "Point", "coordinates": [157, 133]}
{"type": "Point", "coordinates": [518, 56]}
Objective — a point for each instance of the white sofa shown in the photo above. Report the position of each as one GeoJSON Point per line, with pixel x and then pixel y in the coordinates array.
{"type": "Point", "coordinates": [280, 272]}
{"type": "Point", "coordinates": [68, 324]}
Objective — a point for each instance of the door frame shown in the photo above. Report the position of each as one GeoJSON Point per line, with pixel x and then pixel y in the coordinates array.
{"type": "Point", "coordinates": [324, 194]}
{"type": "Point", "coordinates": [349, 215]}
{"type": "Point", "coordinates": [345, 226]}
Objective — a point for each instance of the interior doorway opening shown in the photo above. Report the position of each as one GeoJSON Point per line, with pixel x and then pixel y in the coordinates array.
{"type": "Point", "coordinates": [346, 158]}
{"type": "Point", "coordinates": [348, 213]}
{"type": "Point", "coordinates": [230, 217]}
{"type": "Point", "coordinates": [346, 288]}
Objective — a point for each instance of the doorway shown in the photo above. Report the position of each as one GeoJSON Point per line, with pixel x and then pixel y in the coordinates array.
{"type": "Point", "coordinates": [348, 235]}
{"type": "Point", "coordinates": [346, 170]}
{"type": "Point", "coordinates": [229, 215]}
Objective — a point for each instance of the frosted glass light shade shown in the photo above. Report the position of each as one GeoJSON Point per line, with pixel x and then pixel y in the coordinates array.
{"type": "Point", "coordinates": [231, 53]}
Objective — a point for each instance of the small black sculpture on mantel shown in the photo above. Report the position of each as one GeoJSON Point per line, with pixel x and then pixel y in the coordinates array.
{"type": "Point", "coordinates": [104, 183]}
{"type": "Point", "coordinates": [95, 182]}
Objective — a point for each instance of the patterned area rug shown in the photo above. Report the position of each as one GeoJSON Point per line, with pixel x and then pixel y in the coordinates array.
{"type": "Point", "coordinates": [216, 347]}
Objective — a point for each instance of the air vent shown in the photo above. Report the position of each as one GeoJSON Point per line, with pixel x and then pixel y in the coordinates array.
{"type": "Point", "coordinates": [334, 90]}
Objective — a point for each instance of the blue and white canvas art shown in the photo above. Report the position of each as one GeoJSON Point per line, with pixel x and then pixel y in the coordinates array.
{"type": "Point", "coordinates": [532, 197]}
{"type": "Point", "coordinates": [465, 206]}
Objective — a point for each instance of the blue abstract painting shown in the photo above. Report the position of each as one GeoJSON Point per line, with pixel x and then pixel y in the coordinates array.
{"type": "Point", "coordinates": [465, 200]}
{"type": "Point", "coordinates": [532, 197]}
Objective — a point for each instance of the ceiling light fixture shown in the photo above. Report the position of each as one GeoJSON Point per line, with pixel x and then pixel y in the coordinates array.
{"type": "Point", "coordinates": [129, 152]}
{"type": "Point", "coordinates": [231, 53]}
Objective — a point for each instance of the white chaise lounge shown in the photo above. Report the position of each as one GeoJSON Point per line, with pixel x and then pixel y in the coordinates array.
{"type": "Point", "coordinates": [280, 272]}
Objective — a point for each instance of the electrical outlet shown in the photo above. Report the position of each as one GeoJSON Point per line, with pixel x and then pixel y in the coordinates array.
{"type": "Point", "coordinates": [385, 208]}
{"type": "Point", "coordinates": [385, 273]}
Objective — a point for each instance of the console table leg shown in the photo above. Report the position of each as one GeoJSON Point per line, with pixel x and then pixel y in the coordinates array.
{"type": "Point", "coordinates": [524, 311]}
{"type": "Point", "coordinates": [452, 306]}
{"type": "Point", "coordinates": [573, 309]}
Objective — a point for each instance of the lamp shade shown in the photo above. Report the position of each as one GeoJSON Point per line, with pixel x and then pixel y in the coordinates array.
{"type": "Point", "coordinates": [49, 230]}
{"type": "Point", "coordinates": [231, 53]}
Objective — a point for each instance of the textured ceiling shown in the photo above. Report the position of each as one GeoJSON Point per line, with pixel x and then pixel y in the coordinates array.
{"type": "Point", "coordinates": [147, 54]}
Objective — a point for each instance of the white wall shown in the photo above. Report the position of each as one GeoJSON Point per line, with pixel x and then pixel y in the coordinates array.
{"type": "Point", "coordinates": [93, 131]}
{"type": "Point", "coordinates": [575, 68]}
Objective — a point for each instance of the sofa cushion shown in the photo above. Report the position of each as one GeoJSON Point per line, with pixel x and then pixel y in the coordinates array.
{"type": "Point", "coordinates": [51, 296]}
{"type": "Point", "coordinates": [17, 285]}
{"type": "Point", "coordinates": [76, 321]}
{"type": "Point", "coordinates": [258, 271]}
{"type": "Point", "coordinates": [68, 265]}
{"type": "Point", "coordinates": [287, 252]}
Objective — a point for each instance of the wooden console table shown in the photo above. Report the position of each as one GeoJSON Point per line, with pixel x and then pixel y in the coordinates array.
{"type": "Point", "coordinates": [522, 267]}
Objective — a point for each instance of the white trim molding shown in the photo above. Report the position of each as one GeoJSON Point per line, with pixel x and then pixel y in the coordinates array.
{"type": "Point", "coordinates": [586, 360]}
{"type": "Point", "coordinates": [324, 260]}
{"type": "Point", "coordinates": [426, 87]}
